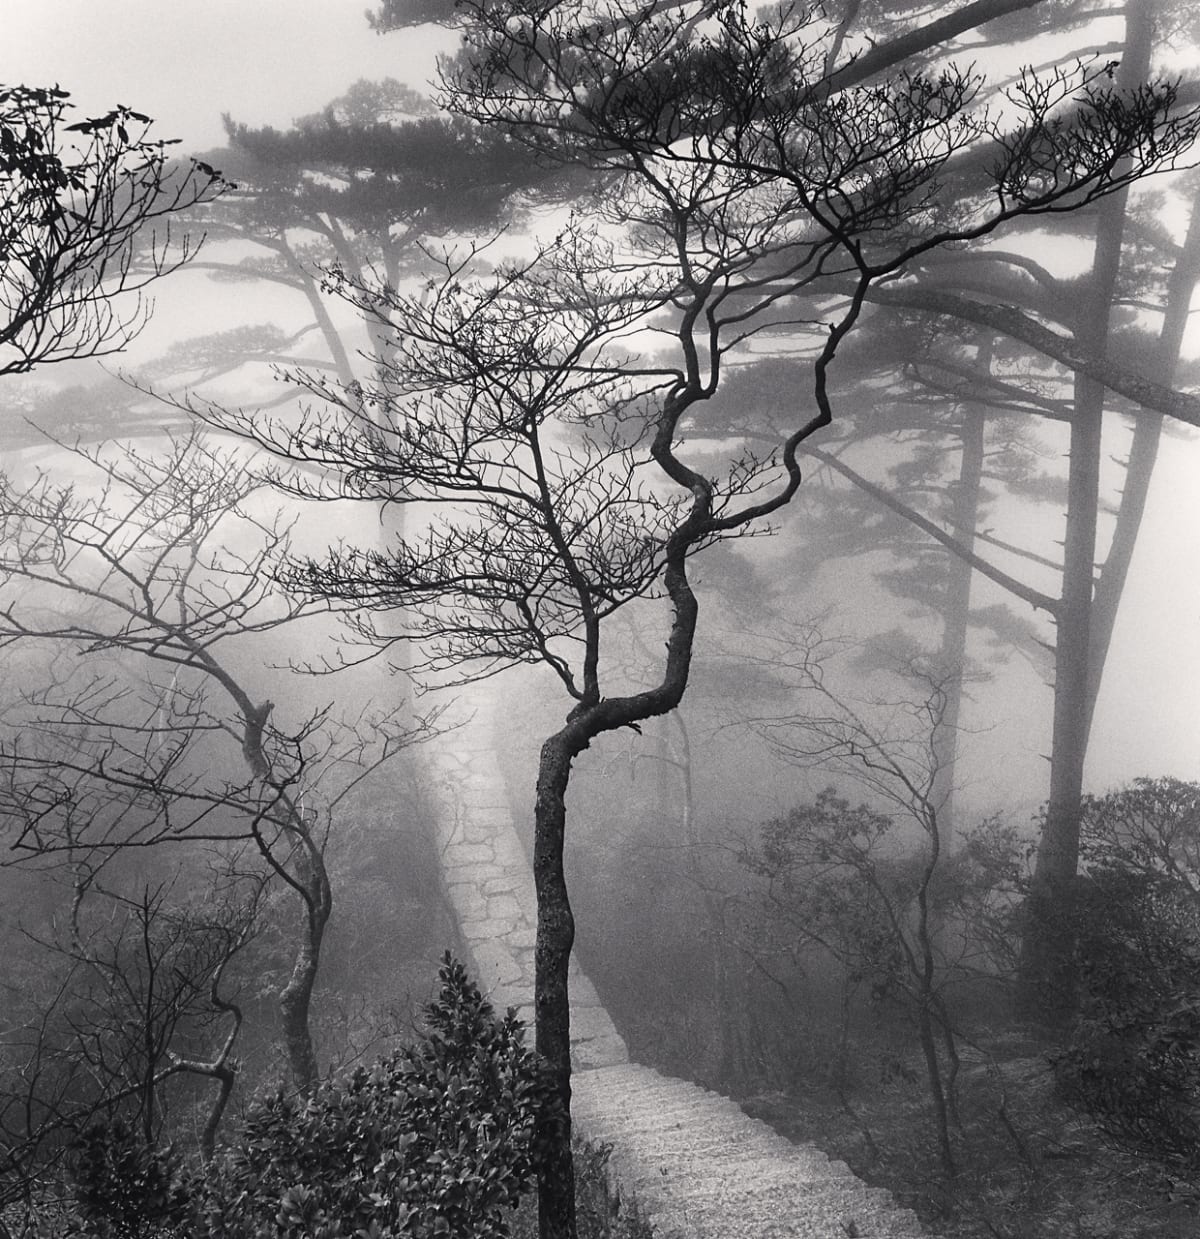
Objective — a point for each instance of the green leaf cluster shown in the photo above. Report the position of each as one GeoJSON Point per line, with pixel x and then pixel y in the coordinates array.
{"type": "Point", "coordinates": [125, 1189]}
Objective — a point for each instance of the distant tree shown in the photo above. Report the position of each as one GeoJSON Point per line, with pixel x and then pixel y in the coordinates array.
{"type": "Point", "coordinates": [883, 486]}
{"type": "Point", "coordinates": [839, 878]}
{"type": "Point", "coordinates": [362, 188]}
{"type": "Point", "coordinates": [985, 334]}
{"type": "Point", "coordinates": [1136, 268]}
{"type": "Point", "coordinates": [86, 212]}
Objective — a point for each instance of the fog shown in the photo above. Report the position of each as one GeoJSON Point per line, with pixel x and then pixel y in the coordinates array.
{"type": "Point", "coordinates": [728, 900]}
{"type": "Point", "coordinates": [275, 62]}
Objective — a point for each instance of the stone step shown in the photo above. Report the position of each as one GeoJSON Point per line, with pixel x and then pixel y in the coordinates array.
{"type": "Point", "coordinates": [670, 1225]}
{"type": "Point", "coordinates": [793, 1161]}
{"type": "Point", "coordinates": [697, 1181]}
{"type": "Point", "coordinates": [634, 1120]}
{"type": "Point", "coordinates": [619, 1093]}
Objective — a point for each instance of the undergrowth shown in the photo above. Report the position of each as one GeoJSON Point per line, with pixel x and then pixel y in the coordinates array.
{"type": "Point", "coordinates": [1029, 1165]}
{"type": "Point", "coordinates": [602, 1212]}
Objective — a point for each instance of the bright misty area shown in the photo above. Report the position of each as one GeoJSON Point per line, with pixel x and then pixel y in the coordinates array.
{"type": "Point", "coordinates": [598, 610]}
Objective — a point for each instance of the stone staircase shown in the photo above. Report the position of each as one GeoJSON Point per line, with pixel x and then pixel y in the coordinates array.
{"type": "Point", "coordinates": [698, 1166]}
{"type": "Point", "coordinates": [490, 885]}
{"type": "Point", "coordinates": [702, 1169]}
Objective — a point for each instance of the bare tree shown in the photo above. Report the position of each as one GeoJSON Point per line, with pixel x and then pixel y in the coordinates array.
{"type": "Point", "coordinates": [85, 226]}
{"type": "Point", "coordinates": [730, 179]}
{"type": "Point", "coordinates": [155, 587]}
{"type": "Point", "coordinates": [137, 989]}
{"type": "Point", "coordinates": [837, 873]}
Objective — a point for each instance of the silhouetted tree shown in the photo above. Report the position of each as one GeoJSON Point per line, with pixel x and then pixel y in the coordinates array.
{"type": "Point", "coordinates": [149, 732]}
{"type": "Point", "coordinates": [86, 213]}
{"type": "Point", "coordinates": [732, 179]}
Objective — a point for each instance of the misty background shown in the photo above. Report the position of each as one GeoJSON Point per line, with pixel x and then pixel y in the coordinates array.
{"type": "Point", "coordinates": [702, 920]}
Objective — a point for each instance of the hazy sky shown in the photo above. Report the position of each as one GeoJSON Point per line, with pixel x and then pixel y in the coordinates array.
{"type": "Point", "coordinates": [185, 63]}
{"type": "Point", "coordinates": [268, 61]}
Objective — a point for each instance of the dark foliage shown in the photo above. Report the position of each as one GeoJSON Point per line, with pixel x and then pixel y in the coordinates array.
{"type": "Point", "coordinates": [125, 1189]}
{"type": "Point", "coordinates": [442, 171]}
{"type": "Point", "coordinates": [1133, 1057]}
{"type": "Point", "coordinates": [437, 1139]}
{"type": "Point", "coordinates": [434, 1140]}
{"type": "Point", "coordinates": [1133, 1060]}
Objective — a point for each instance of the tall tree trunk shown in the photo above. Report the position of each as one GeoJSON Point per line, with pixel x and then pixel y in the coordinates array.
{"type": "Point", "coordinates": [1143, 452]}
{"type": "Point", "coordinates": [295, 1006]}
{"type": "Point", "coordinates": [1047, 950]}
{"type": "Point", "coordinates": [1048, 987]}
{"type": "Point", "coordinates": [226, 1078]}
{"type": "Point", "coordinates": [956, 613]}
{"type": "Point", "coordinates": [556, 924]}
{"type": "Point", "coordinates": [310, 880]}
{"type": "Point", "coordinates": [555, 937]}
{"type": "Point", "coordinates": [1085, 630]}
{"type": "Point", "coordinates": [295, 1000]}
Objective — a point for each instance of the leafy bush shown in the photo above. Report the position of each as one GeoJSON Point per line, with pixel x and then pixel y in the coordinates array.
{"type": "Point", "coordinates": [1133, 1059]}
{"type": "Point", "coordinates": [437, 1139]}
{"type": "Point", "coordinates": [125, 1189]}
{"type": "Point", "coordinates": [434, 1140]}
{"type": "Point", "coordinates": [1151, 827]}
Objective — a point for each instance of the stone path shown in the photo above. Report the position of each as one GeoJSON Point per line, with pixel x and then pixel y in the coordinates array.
{"type": "Point", "coordinates": [702, 1169]}
{"type": "Point", "coordinates": [490, 885]}
{"type": "Point", "coordinates": [698, 1166]}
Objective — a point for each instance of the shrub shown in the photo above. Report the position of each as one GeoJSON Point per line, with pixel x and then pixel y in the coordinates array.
{"type": "Point", "coordinates": [435, 1140]}
{"type": "Point", "coordinates": [124, 1188]}
{"type": "Point", "coordinates": [1133, 1058]}
{"type": "Point", "coordinates": [1152, 827]}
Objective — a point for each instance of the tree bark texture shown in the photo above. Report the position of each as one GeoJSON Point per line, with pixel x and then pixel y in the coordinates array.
{"type": "Point", "coordinates": [555, 937]}
{"type": "Point", "coordinates": [295, 1005]}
